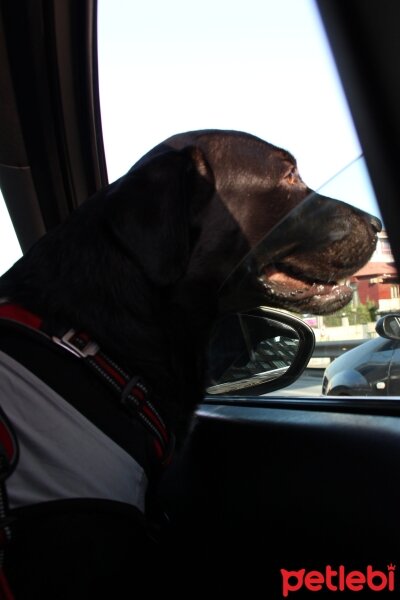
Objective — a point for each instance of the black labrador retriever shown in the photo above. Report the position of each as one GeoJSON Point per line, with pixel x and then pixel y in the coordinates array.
{"type": "Point", "coordinates": [131, 285]}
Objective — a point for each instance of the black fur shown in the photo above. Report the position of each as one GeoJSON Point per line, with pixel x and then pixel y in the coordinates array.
{"type": "Point", "coordinates": [139, 265]}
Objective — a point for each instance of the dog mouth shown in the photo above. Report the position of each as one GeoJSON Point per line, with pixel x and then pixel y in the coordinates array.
{"type": "Point", "coordinates": [286, 288]}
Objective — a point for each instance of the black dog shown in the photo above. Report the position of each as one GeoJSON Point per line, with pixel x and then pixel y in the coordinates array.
{"type": "Point", "coordinates": [139, 266]}
{"type": "Point", "coordinates": [142, 269]}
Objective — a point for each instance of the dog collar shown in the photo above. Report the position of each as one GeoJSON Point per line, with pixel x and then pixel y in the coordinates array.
{"type": "Point", "coordinates": [132, 392]}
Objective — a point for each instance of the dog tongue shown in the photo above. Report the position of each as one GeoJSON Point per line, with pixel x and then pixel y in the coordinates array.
{"type": "Point", "coordinates": [287, 291]}
{"type": "Point", "coordinates": [281, 278]}
{"type": "Point", "coordinates": [288, 285]}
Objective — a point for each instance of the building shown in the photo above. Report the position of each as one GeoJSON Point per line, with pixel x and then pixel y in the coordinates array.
{"type": "Point", "coordinates": [378, 281]}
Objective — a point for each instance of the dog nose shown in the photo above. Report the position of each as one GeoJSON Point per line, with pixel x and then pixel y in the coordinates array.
{"type": "Point", "coordinates": [376, 223]}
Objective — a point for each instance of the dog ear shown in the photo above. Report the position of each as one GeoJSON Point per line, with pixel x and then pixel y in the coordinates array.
{"type": "Point", "coordinates": [151, 208]}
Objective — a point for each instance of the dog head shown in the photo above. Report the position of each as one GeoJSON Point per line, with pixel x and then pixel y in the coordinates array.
{"type": "Point", "coordinates": [161, 242]}
{"type": "Point", "coordinates": [299, 245]}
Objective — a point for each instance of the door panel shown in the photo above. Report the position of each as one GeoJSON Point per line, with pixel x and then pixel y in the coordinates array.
{"type": "Point", "coordinates": [271, 488]}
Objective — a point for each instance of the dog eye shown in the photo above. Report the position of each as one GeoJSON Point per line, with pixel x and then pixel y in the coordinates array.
{"type": "Point", "coordinates": [291, 177]}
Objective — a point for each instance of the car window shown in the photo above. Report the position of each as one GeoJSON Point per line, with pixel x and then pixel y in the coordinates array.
{"type": "Point", "coordinates": [10, 250]}
{"type": "Point", "coordinates": [266, 68]}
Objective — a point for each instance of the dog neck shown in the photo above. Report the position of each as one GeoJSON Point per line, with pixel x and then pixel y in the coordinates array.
{"type": "Point", "coordinates": [164, 345]}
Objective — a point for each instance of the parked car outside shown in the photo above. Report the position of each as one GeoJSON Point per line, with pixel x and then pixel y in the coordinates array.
{"type": "Point", "coordinates": [371, 369]}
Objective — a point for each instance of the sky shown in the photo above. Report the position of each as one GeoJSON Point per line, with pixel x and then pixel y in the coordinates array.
{"type": "Point", "coordinates": [261, 66]}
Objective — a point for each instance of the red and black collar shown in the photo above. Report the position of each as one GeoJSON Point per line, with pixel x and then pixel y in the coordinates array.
{"type": "Point", "coordinates": [131, 392]}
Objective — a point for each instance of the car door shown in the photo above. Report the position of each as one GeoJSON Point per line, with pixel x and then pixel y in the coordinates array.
{"type": "Point", "coordinates": [363, 371]}
{"type": "Point", "coordinates": [265, 486]}
{"type": "Point", "coordinates": [394, 374]}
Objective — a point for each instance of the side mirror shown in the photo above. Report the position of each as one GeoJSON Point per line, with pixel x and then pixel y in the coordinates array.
{"type": "Point", "coordinates": [257, 352]}
{"type": "Point", "coordinates": [389, 327]}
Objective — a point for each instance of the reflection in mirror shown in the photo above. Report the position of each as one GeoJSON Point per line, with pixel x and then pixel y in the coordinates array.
{"type": "Point", "coordinates": [248, 349]}
{"type": "Point", "coordinates": [389, 327]}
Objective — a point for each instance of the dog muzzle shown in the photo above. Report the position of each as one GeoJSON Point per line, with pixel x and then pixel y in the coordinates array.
{"type": "Point", "coordinates": [305, 263]}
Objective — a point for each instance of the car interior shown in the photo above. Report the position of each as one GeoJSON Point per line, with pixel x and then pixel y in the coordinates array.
{"type": "Point", "coordinates": [263, 483]}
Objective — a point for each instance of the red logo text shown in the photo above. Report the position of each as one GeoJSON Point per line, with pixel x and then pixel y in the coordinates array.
{"type": "Point", "coordinates": [338, 580]}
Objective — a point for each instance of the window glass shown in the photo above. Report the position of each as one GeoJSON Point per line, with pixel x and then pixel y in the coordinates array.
{"type": "Point", "coordinates": [264, 67]}
{"type": "Point", "coordinates": [260, 66]}
{"type": "Point", "coordinates": [10, 250]}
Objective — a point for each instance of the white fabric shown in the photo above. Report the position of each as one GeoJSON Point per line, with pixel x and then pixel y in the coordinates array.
{"type": "Point", "coordinates": [62, 454]}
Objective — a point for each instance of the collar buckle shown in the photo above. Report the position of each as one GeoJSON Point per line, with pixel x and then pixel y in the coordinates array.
{"type": "Point", "coordinates": [75, 344]}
